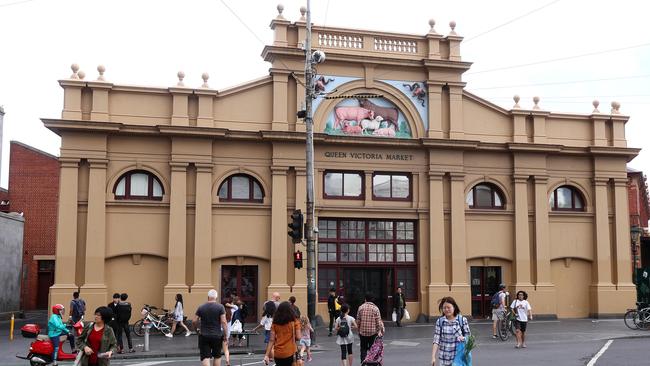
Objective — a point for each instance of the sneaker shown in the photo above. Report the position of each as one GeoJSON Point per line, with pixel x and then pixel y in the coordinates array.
{"type": "Point", "coordinates": [169, 335]}
{"type": "Point", "coordinates": [308, 358]}
{"type": "Point", "coordinates": [131, 350]}
{"type": "Point", "coordinates": [329, 334]}
{"type": "Point", "coordinates": [187, 334]}
{"type": "Point", "coordinates": [494, 336]}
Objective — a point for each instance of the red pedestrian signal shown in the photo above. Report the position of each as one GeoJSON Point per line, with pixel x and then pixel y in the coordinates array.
{"type": "Point", "coordinates": [297, 259]}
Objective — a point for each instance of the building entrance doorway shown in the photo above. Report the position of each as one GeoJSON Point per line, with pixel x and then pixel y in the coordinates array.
{"type": "Point", "coordinates": [485, 283]}
{"type": "Point", "coordinates": [45, 281]}
{"type": "Point", "coordinates": [241, 281]}
{"type": "Point", "coordinates": [358, 281]}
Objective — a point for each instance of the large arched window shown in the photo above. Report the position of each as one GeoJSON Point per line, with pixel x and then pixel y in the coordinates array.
{"type": "Point", "coordinates": [566, 198]}
{"type": "Point", "coordinates": [138, 185]}
{"type": "Point", "coordinates": [241, 188]}
{"type": "Point", "coordinates": [485, 196]}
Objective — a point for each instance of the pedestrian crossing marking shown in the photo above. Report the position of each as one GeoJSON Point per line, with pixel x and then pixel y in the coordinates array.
{"type": "Point", "coordinates": [404, 343]}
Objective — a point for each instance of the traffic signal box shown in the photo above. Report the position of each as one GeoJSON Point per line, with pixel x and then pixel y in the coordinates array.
{"type": "Point", "coordinates": [297, 259]}
{"type": "Point", "coordinates": [295, 226]}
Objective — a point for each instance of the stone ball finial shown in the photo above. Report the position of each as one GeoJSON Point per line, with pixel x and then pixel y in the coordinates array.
{"type": "Point", "coordinates": [205, 76]}
{"type": "Point", "coordinates": [536, 101]}
{"type": "Point", "coordinates": [303, 11]}
{"type": "Point", "coordinates": [516, 98]}
{"type": "Point", "coordinates": [452, 25]}
{"type": "Point", "coordinates": [101, 69]}
{"type": "Point", "coordinates": [280, 8]}
{"type": "Point", "coordinates": [595, 103]}
{"type": "Point", "coordinates": [181, 76]}
{"type": "Point", "coordinates": [432, 24]}
{"type": "Point", "coordinates": [75, 70]}
{"type": "Point", "coordinates": [81, 74]}
{"type": "Point", "coordinates": [615, 107]}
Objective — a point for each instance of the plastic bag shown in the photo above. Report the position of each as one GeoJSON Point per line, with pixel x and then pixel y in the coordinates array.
{"type": "Point", "coordinates": [460, 359]}
{"type": "Point", "coordinates": [236, 326]}
{"type": "Point", "coordinates": [407, 315]}
{"type": "Point", "coordinates": [394, 316]}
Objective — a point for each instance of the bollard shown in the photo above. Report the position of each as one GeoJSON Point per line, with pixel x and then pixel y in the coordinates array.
{"type": "Point", "coordinates": [11, 328]}
{"type": "Point", "coordinates": [147, 326]}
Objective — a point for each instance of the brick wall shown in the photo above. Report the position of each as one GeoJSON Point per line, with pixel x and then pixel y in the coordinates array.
{"type": "Point", "coordinates": [4, 197]}
{"type": "Point", "coordinates": [638, 199]}
{"type": "Point", "coordinates": [34, 190]}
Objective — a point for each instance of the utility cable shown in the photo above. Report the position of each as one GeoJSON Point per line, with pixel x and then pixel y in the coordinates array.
{"type": "Point", "coordinates": [559, 59]}
{"type": "Point", "coordinates": [15, 3]}
{"type": "Point", "coordinates": [564, 82]}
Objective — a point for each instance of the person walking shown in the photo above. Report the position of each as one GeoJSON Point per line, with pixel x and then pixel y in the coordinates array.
{"type": "Point", "coordinates": [285, 330]}
{"type": "Point", "coordinates": [524, 313]}
{"type": "Point", "coordinates": [113, 306]}
{"type": "Point", "coordinates": [294, 307]}
{"type": "Point", "coordinates": [344, 336]}
{"type": "Point", "coordinates": [212, 319]}
{"type": "Point", "coordinates": [399, 305]}
{"type": "Point", "coordinates": [305, 337]}
{"type": "Point", "coordinates": [56, 330]}
{"type": "Point", "coordinates": [123, 316]}
{"type": "Point", "coordinates": [97, 341]}
{"type": "Point", "coordinates": [370, 325]}
{"type": "Point", "coordinates": [77, 307]}
{"type": "Point", "coordinates": [179, 317]}
{"type": "Point", "coordinates": [331, 309]}
{"type": "Point", "coordinates": [498, 308]}
{"type": "Point", "coordinates": [450, 329]}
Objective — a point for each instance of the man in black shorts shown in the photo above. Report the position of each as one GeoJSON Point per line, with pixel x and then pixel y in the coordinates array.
{"type": "Point", "coordinates": [212, 316]}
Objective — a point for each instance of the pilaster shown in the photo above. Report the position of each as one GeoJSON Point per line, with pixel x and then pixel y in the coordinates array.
{"type": "Point", "coordinates": [203, 228]}
{"type": "Point", "coordinates": [279, 238]}
{"type": "Point", "coordinates": [603, 264]}
{"type": "Point", "coordinates": [280, 92]}
{"type": "Point", "coordinates": [94, 288]}
{"type": "Point", "coordinates": [623, 239]}
{"type": "Point", "coordinates": [176, 281]}
{"type": "Point", "coordinates": [71, 98]}
{"type": "Point", "coordinates": [456, 128]}
{"type": "Point", "coordinates": [100, 112]}
{"type": "Point", "coordinates": [519, 127]}
{"type": "Point", "coordinates": [180, 116]}
{"type": "Point", "coordinates": [544, 288]}
{"type": "Point", "coordinates": [435, 110]}
{"type": "Point", "coordinates": [522, 236]}
{"type": "Point", "coordinates": [438, 286]}
{"type": "Point", "coordinates": [66, 233]}
{"type": "Point", "coordinates": [205, 116]}
{"type": "Point", "coordinates": [367, 186]}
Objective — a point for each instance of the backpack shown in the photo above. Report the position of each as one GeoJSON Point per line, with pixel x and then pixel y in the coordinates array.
{"type": "Point", "coordinates": [496, 300]}
{"type": "Point", "coordinates": [123, 311]}
{"type": "Point", "coordinates": [78, 307]}
{"type": "Point", "coordinates": [344, 328]}
{"type": "Point", "coordinates": [243, 311]}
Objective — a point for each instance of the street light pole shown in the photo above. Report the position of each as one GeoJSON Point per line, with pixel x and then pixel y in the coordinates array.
{"type": "Point", "coordinates": [309, 233]}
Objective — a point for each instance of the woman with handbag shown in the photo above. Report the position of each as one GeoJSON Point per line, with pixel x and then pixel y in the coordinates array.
{"type": "Point", "coordinates": [97, 342]}
{"type": "Point", "coordinates": [285, 330]}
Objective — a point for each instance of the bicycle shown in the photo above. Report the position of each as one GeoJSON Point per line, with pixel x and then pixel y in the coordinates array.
{"type": "Point", "coordinates": [638, 318]}
{"type": "Point", "coordinates": [505, 325]}
{"type": "Point", "coordinates": [160, 322]}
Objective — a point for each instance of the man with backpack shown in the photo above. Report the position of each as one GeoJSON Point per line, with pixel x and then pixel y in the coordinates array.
{"type": "Point", "coordinates": [77, 307]}
{"type": "Point", "coordinates": [498, 303]}
{"type": "Point", "coordinates": [122, 316]}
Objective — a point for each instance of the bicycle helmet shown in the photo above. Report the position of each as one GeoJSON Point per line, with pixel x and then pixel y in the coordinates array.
{"type": "Point", "coordinates": [58, 309]}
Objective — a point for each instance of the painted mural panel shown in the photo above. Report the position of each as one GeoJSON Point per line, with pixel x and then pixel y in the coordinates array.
{"type": "Point", "coordinates": [367, 117]}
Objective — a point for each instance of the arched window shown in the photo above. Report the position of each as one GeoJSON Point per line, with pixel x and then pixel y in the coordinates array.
{"type": "Point", "coordinates": [566, 198]}
{"type": "Point", "coordinates": [138, 185]}
{"type": "Point", "coordinates": [241, 188]}
{"type": "Point", "coordinates": [485, 196]}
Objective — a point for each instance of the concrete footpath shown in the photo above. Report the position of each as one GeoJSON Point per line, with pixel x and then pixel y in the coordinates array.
{"type": "Point", "coordinates": [543, 331]}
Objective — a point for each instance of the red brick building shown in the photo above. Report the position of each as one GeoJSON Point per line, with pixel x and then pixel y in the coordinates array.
{"type": "Point", "coordinates": [4, 200]}
{"type": "Point", "coordinates": [34, 191]}
{"type": "Point", "coordinates": [639, 210]}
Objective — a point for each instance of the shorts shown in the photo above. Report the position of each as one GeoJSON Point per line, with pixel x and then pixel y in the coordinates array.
{"type": "Point", "coordinates": [521, 325]}
{"type": "Point", "coordinates": [210, 346]}
{"type": "Point", "coordinates": [497, 313]}
{"type": "Point", "coordinates": [267, 336]}
{"type": "Point", "coordinates": [305, 342]}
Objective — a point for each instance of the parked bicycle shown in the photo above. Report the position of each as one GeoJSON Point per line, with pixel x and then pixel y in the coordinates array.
{"type": "Point", "coordinates": [161, 322]}
{"type": "Point", "coordinates": [638, 318]}
{"type": "Point", "coordinates": [506, 325]}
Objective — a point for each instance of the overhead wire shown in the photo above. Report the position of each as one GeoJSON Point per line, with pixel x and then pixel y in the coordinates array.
{"type": "Point", "coordinates": [15, 3]}
{"type": "Point", "coordinates": [564, 82]}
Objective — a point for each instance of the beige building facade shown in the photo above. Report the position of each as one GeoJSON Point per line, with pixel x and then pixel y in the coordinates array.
{"type": "Point", "coordinates": [419, 184]}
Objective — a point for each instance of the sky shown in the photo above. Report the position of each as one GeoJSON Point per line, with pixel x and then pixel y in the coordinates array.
{"type": "Point", "coordinates": [146, 42]}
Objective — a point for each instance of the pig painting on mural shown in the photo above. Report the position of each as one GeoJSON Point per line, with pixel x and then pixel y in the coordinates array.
{"type": "Point", "coordinates": [362, 117]}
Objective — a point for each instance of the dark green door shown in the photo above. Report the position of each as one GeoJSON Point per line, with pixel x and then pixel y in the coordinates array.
{"type": "Point", "coordinates": [358, 281]}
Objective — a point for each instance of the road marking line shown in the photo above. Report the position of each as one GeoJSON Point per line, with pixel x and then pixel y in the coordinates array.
{"type": "Point", "coordinates": [150, 363]}
{"type": "Point", "coordinates": [402, 343]}
{"type": "Point", "coordinates": [600, 353]}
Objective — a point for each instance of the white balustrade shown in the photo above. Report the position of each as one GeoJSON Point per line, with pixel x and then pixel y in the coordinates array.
{"type": "Point", "coordinates": [395, 45]}
{"type": "Point", "coordinates": [339, 40]}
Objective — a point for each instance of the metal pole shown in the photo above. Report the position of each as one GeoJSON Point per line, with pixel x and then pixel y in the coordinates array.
{"type": "Point", "coordinates": [309, 235]}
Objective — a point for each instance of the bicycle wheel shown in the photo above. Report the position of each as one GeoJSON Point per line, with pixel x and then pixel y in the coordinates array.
{"type": "Point", "coordinates": [631, 318]}
{"type": "Point", "coordinates": [164, 328]}
{"type": "Point", "coordinates": [502, 330]}
{"type": "Point", "coordinates": [642, 320]}
{"type": "Point", "coordinates": [138, 328]}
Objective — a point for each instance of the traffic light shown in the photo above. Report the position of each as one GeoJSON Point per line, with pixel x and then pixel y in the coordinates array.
{"type": "Point", "coordinates": [297, 259]}
{"type": "Point", "coordinates": [296, 227]}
